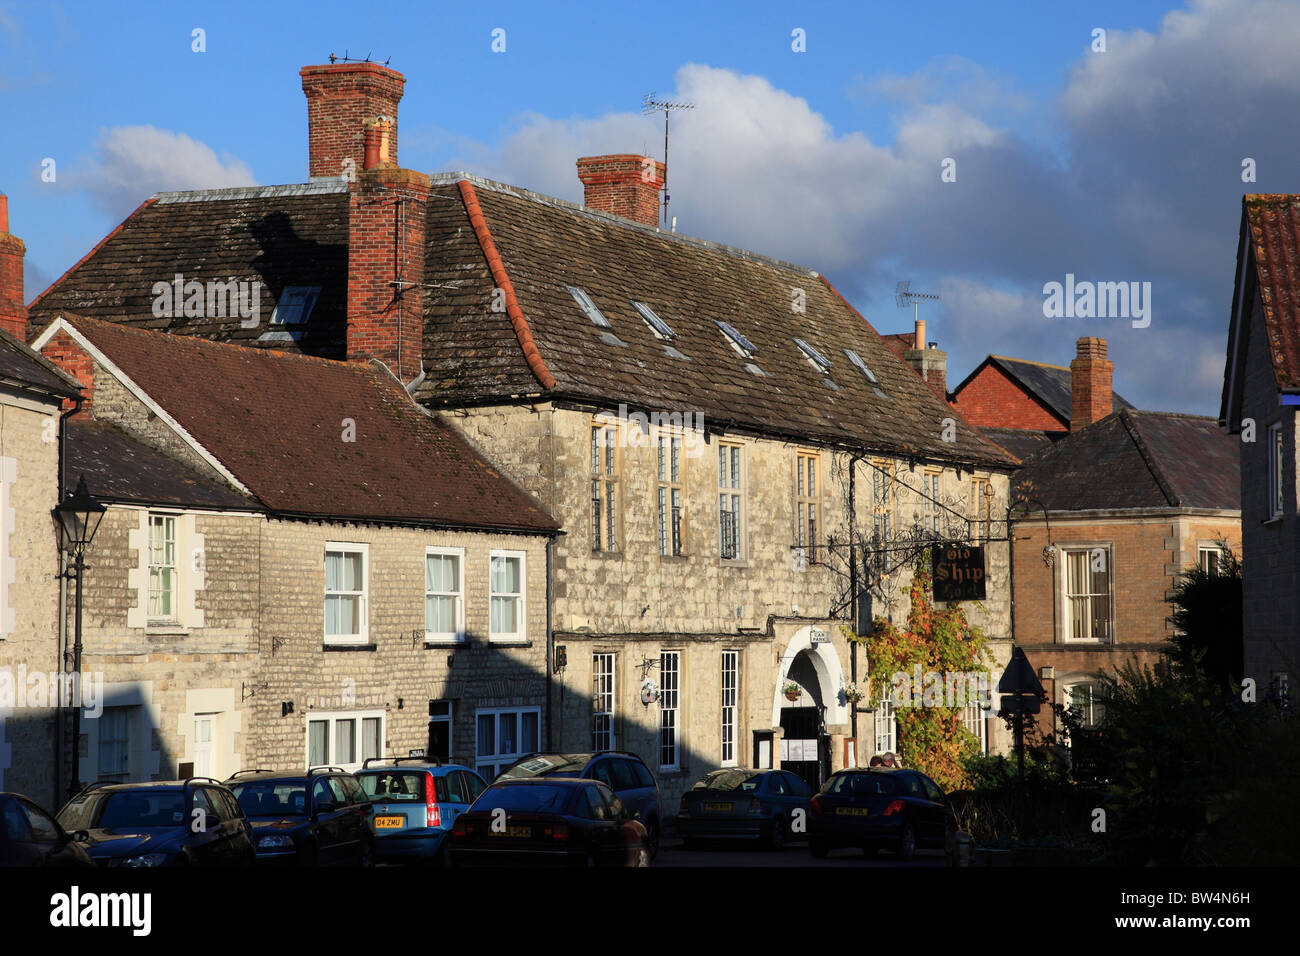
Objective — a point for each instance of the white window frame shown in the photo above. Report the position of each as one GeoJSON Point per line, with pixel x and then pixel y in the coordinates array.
{"type": "Point", "coordinates": [730, 683]}
{"type": "Point", "coordinates": [1067, 619]}
{"type": "Point", "coordinates": [607, 505]}
{"type": "Point", "coordinates": [1207, 552]}
{"type": "Point", "coordinates": [930, 484]}
{"type": "Point", "coordinates": [1092, 703]}
{"type": "Point", "coordinates": [807, 501]}
{"type": "Point", "coordinates": [670, 677]}
{"type": "Point", "coordinates": [502, 758]}
{"type": "Point", "coordinates": [671, 487]}
{"type": "Point", "coordinates": [444, 637]}
{"type": "Point", "coordinates": [331, 720]}
{"type": "Point", "coordinates": [128, 714]}
{"type": "Point", "coordinates": [1276, 471]}
{"type": "Point", "coordinates": [172, 518]}
{"type": "Point", "coordinates": [348, 547]}
{"type": "Point", "coordinates": [520, 635]}
{"type": "Point", "coordinates": [604, 670]}
{"type": "Point", "coordinates": [886, 727]}
{"type": "Point", "coordinates": [730, 486]}
{"type": "Point", "coordinates": [975, 719]}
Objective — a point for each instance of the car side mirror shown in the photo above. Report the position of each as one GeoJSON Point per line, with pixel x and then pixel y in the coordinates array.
{"type": "Point", "coordinates": [322, 808]}
{"type": "Point", "coordinates": [79, 836]}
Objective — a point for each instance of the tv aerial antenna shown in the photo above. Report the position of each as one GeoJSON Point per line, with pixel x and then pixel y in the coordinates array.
{"type": "Point", "coordinates": [904, 296]}
{"type": "Point", "coordinates": [651, 103]}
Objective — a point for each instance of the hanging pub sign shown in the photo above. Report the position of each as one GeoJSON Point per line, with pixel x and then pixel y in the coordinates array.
{"type": "Point", "coordinates": [958, 572]}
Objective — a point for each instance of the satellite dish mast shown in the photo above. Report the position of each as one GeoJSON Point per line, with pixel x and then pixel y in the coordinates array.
{"type": "Point", "coordinates": [652, 104]}
{"type": "Point", "coordinates": [905, 297]}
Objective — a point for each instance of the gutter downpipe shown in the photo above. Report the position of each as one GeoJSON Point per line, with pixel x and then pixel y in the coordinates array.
{"type": "Point", "coordinates": [60, 716]}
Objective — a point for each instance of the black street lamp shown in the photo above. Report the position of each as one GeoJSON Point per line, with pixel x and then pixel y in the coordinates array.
{"type": "Point", "coordinates": [79, 516]}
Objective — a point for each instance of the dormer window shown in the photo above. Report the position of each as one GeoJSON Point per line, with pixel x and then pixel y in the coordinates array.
{"type": "Point", "coordinates": [819, 361]}
{"type": "Point", "coordinates": [584, 302]}
{"type": "Point", "coordinates": [295, 304]}
{"type": "Point", "coordinates": [742, 345]}
{"type": "Point", "coordinates": [657, 325]}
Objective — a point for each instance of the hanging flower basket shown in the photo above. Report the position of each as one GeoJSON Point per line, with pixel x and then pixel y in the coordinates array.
{"type": "Point", "coordinates": [791, 690]}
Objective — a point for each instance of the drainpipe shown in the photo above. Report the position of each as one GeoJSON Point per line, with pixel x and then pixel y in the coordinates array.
{"type": "Point", "coordinates": [550, 634]}
{"type": "Point", "coordinates": [60, 716]}
{"type": "Point", "coordinates": [853, 588]}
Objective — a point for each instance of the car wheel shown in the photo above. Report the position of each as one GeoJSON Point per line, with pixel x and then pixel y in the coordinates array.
{"type": "Point", "coordinates": [777, 838]}
{"type": "Point", "coordinates": [308, 855]}
{"type": "Point", "coordinates": [652, 835]}
{"type": "Point", "coordinates": [818, 849]}
{"type": "Point", "coordinates": [642, 855]}
{"type": "Point", "coordinates": [907, 843]}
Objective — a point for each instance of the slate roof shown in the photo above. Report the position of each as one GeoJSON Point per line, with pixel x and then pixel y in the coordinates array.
{"type": "Point", "coordinates": [473, 355]}
{"type": "Point", "coordinates": [1269, 244]}
{"type": "Point", "coordinates": [277, 422]}
{"type": "Point", "coordinates": [1022, 442]}
{"type": "Point", "coordinates": [28, 370]}
{"type": "Point", "coordinates": [1050, 384]}
{"type": "Point", "coordinates": [1136, 459]}
{"type": "Point", "coordinates": [118, 468]}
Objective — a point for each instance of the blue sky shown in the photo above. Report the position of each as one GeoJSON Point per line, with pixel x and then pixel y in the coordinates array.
{"type": "Point", "coordinates": [1121, 165]}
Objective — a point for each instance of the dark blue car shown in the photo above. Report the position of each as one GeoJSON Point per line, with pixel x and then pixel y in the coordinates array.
{"type": "Point", "coordinates": [768, 806]}
{"type": "Point", "coordinates": [317, 817]}
{"type": "Point", "coordinates": [876, 808]}
{"type": "Point", "coordinates": [416, 803]}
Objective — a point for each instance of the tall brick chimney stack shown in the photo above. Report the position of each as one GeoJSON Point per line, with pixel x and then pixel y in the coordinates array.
{"type": "Point", "coordinates": [341, 99]}
{"type": "Point", "coordinates": [930, 363]}
{"type": "Point", "coordinates": [13, 305]}
{"type": "Point", "coordinates": [626, 185]}
{"type": "Point", "coordinates": [1091, 385]}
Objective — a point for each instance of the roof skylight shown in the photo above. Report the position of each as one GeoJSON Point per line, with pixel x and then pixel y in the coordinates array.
{"type": "Point", "coordinates": [821, 362]}
{"type": "Point", "coordinates": [657, 325]}
{"type": "Point", "coordinates": [862, 366]}
{"type": "Point", "coordinates": [584, 301]}
{"type": "Point", "coordinates": [295, 304]}
{"type": "Point", "coordinates": [738, 342]}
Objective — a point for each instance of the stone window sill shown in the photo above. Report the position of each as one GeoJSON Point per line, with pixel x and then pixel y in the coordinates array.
{"type": "Point", "coordinates": [349, 647]}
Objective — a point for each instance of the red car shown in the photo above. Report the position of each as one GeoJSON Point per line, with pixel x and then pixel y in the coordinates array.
{"type": "Point", "coordinates": [549, 821]}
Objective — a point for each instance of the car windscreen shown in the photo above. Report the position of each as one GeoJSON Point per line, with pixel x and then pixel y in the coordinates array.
{"type": "Point", "coordinates": [744, 781]}
{"type": "Point", "coordinates": [272, 798]}
{"type": "Point", "coordinates": [79, 812]}
{"type": "Point", "coordinates": [550, 765]}
{"type": "Point", "coordinates": [393, 787]}
{"type": "Point", "coordinates": [862, 784]}
{"type": "Point", "coordinates": [529, 798]}
{"type": "Point", "coordinates": [143, 808]}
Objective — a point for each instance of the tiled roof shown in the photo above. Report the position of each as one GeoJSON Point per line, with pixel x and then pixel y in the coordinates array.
{"type": "Point", "coordinates": [118, 468]}
{"type": "Point", "coordinates": [473, 354]}
{"type": "Point", "coordinates": [278, 236]}
{"type": "Point", "coordinates": [1050, 383]}
{"type": "Point", "coordinates": [1274, 228]}
{"type": "Point", "coordinates": [900, 342]}
{"type": "Point", "coordinates": [1134, 459]}
{"type": "Point", "coordinates": [22, 367]}
{"type": "Point", "coordinates": [318, 437]}
{"type": "Point", "coordinates": [1021, 442]}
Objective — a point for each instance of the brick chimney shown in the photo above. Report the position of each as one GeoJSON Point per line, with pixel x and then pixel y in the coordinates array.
{"type": "Point", "coordinates": [626, 185]}
{"type": "Point", "coordinates": [13, 307]}
{"type": "Point", "coordinates": [1091, 388]}
{"type": "Point", "coordinates": [386, 230]}
{"type": "Point", "coordinates": [76, 361]}
{"type": "Point", "coordinates": [930, 363]}
{"type": "Point", "coordinates": [341, 99]}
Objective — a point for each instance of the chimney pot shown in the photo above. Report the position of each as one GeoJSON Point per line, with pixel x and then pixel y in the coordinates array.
{"type": "Point", "coordinates": [342, 98]}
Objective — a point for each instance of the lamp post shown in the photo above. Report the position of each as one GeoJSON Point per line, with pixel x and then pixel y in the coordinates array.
{"type": "Point", "coordinates": [79, 516]}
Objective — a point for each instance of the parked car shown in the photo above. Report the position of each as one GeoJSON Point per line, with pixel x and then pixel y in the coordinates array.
{"type": "Point", "coordinates": [549, 821]}
{"type": "Point", "coordinates": [192, 822]}
{"type": "Point", "coordinates": [621, 771]}
{"type": "Point", "coordinates": [416, 802]}
{"type": "Point", "coordinates": [878, 808]}
{"type": "Point", "coordinates": [316, 817]}
{"type": "Point", "coordinates": [31, 837]}
{"type": "Point", "coordinates": [738, 803]}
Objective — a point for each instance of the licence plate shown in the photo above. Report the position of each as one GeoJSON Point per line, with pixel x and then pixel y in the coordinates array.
{"type": "Point", "coordinates": [718, 807]}
{"type": "Point", "coordinates": [524, 832]}
{"type": "Point", "coordinates": [389, 823]}
{"type": "Point", "coordinates": [853, 811]}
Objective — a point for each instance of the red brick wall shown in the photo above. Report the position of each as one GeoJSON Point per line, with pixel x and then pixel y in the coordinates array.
{"type": "Point", "coordinates": [619, 185]}
{"type": "Point", "coordinates": [383, 324]}
{"type": "Point", "coordinates": [1091, 377]}
{"type": "Point", "coordinates": [74, 360]}
{"type": "Point", "coordinates": [341, 99]}
{"type": "Point", "coordinates": [13, 309]}
{"type": "Point", "coordinates": [993, 400]}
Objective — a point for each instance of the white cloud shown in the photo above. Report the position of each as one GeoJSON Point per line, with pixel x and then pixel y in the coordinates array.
{"type": "Point", "coordinates": [132, 163]}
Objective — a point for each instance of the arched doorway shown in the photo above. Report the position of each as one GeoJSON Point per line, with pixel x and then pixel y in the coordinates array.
{"type": "Point", "coordinates": [815, 669]}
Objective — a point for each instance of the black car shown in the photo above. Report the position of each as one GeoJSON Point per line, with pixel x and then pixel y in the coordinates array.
{"type": "Point", "coordinates": [192, 822]}
{"type": "Point", "coordinates": [621, 771]}
{"type": "Point", "coordinates": [877, 808]}
{"type": "Point", "coordinates": [549, 821]}
{"type": "Point", "coordinates": [31, 837]}
{"type": "Point", "coordinates": [737, 803]}
{"type": "Point", "coordinates": [317, 817]}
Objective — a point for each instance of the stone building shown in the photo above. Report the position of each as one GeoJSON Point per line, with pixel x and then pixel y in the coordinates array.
{"type": "Point", "coordinates": [299, 565]}
{"type": "Point", "coordinates": [731, 450]}
{"type": "Point", "coordinates": [1261, 390]}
